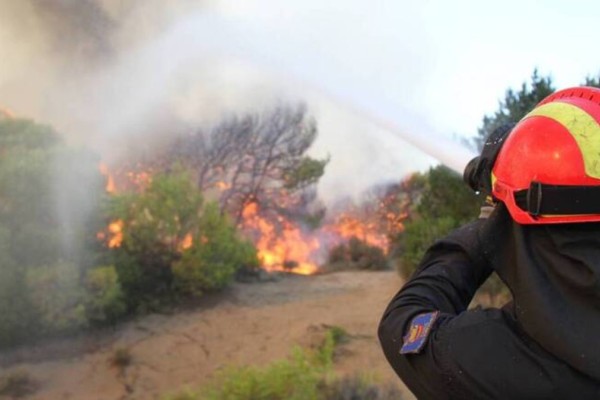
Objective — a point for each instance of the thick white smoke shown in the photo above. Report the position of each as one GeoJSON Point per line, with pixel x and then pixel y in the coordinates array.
{"type": "Point", "coordinates": [108, 72]}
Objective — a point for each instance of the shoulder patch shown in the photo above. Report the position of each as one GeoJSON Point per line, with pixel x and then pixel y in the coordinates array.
{"type": "Point", "coordinates": [419, 329]}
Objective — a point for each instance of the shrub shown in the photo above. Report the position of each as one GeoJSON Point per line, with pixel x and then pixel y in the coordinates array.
{"type": "Point", "coordinates": [359, 387]}
{"type": "Point", "coordinates": [306, 375]}
{"type": "Point", "coordinates": [418, 236]}
{"type": "Point", "coordinates": [356, 254]}
{"type": "Point", "coordinates": [105, 301]}
{"type": "Point", "coordinates": [215, 256]}
{"type": "Point", "coordinates": [156, 261]}
{"type": "Point", "coordinates": [18, 319]}
{"type": "Point", "coordinates": [58, 296]}
{"type": "Point", "coordinates": [296, 378]}
{"type": "Point", "coordinates": [155, 223]}
{"type": "Point", "coordinates": [121, 358]}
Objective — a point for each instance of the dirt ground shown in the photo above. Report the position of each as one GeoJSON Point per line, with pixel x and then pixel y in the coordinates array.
{"type": "Point", "coordinates": [248, 324]}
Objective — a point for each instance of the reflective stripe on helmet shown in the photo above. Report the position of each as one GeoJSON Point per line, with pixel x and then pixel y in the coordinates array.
{"type": "Point", "coordinates": [582, 126]}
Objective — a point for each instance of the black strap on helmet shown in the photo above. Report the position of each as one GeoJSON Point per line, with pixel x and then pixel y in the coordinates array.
{"type": "Point", "coordinates": [541, 199]}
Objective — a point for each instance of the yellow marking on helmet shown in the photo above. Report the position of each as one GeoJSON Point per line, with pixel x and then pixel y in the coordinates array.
{"type": "Point", "coordinates": [581, 125]}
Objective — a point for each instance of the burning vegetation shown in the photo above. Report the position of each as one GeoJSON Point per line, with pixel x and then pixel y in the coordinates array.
{"type": "Point", "coordinates": [173, 223]}
{"type": "Point", "coordinates": [256, 170]}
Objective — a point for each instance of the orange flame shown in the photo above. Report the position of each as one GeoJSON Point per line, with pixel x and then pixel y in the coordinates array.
{"type": "Point", "coordinates": [6, 113]}
{"type": "Point", "coordinates": [110, 181]}
{"type": "Point", "coordinates": [222, 185]}
{"type": "Point", "coordinates": [288, 250]}
{"type": "Point", "coordinates": [187, 242]}
{"type": "Point", "coordinates": [115, 228]}
{"type": "Point", "coordinates": [348, 226]}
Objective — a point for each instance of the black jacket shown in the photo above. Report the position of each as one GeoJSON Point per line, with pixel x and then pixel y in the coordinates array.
{"type": "Point", "coordinates": [543, 345]}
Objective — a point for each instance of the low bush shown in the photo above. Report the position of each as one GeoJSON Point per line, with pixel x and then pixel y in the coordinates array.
{"type": "Point", "coordinates": [356, 254]}
{"type": "Point", "coordinates": [121, 358]}
{"type": "Point", "coordinates": [58, 297]}
{"type": "Point", "coordinates": [174, 243]}
{"type": "Point", "coordinates": [305, 375]}
{"type": "Point", "coordinates": [359, 387]}
{"type": "Point", "coordinates": [418, 236]}
{"type": "Point", "coordinates": [105, 302]}
{"type": "Point", "coordinates": [214, 257]}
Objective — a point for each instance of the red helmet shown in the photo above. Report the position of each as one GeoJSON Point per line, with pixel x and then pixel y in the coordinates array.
{"type": "Point", "coordinates": [548, 169]}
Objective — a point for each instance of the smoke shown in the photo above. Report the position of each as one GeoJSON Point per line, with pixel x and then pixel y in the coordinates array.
{"type": "Point", "coordinates": [108, 73]}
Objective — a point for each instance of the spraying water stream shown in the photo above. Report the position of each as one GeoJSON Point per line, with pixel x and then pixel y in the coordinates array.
{"type": "Point", "coordinates": [192, 39]}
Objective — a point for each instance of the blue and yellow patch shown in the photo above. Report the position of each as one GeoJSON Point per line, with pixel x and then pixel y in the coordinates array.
{"type": "Point", "coordinates": [420, 326]}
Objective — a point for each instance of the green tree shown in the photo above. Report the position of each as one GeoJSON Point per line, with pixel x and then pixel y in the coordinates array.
{"type": "Point", "coordinates": [515, 105]}
{"type": "Point", "coordinates": [445, 204]}
{"type": "Point", "coordinates": [593, 81]}
{"type": "Point", "coordinates": [49, 195]}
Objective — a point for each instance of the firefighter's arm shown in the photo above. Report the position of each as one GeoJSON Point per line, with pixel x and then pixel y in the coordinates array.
{"type": "Point", "coordinates": [442, 287]}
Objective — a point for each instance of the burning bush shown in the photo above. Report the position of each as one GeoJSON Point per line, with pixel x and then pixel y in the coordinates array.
{"type": "Point", "coordinates": [168, 241]}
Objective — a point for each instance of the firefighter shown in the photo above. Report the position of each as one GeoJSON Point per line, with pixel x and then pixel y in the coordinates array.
{"type": "Point", "coordinates": [543, 240]}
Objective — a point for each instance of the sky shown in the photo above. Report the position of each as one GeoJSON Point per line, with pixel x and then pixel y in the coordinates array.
{"type": "Point", "coordinates": [447, 61]}
{"type": "Point", "coordinates": [388, 81]}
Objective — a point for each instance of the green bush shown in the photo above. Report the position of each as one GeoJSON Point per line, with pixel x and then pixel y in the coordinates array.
{"type": "Point", "coordinates": [155, 223]}
{"type": "Point", "coordinates": [49, 199]}
{"type": "Point", "coordinates": [418, 236]}
{"type": "Point", "coordinates": [152, 263]}
{"type": "Point", "coordinates": [57, 294]}
{"type": "Point", "coordinates": [215, 256]}
{"type": "Point", "coordinates": [18, 319]}
{"type": "Point", "coordinates": [105, 301]}
{"type": "Point", "coordinates": [306, 375]}
{"type": "Point", "coordinates": [296, 378]}
{"type": "Point", "coordinates": [359, 387]}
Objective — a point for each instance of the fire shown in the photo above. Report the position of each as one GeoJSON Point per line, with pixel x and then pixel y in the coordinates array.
{"type": "Point", "coordinates": [283, 249]}
{"type": "Point", "coordinates": [282, 243]}
{"type": "Point", "coordinates": [115, 229]}
{"type": "Point", "coordinates": [222, 185]}
{"type": "Point", "coordinates": [187, 242]}
{"type": "Point", "coordinates": [6, 113]}
{"type": "Point", "coordinates": [110, 181]}
{"type": "Point", "coordinates": [348, 226]}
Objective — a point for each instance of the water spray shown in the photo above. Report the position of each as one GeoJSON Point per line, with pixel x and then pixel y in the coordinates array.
{"type": "Point", "coordinates": [210, 34]}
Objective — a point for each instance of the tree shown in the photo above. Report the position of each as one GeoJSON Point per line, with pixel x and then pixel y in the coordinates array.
{"type": "Point", "coordinates": [516, 105]}
{"type": "Point", "coordinates": [444, 204]}
{"type": "Point", "coordinates": [49, 196]}
{"type": "Point", "coordinates": [257, 158]}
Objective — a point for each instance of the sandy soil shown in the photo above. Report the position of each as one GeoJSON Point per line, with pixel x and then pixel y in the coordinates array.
{"type": "Point", "coordinates": [249, 324]}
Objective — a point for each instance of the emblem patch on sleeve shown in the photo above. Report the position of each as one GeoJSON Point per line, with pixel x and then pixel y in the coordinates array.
{"type": "Point", "coordinates": [420, 326]}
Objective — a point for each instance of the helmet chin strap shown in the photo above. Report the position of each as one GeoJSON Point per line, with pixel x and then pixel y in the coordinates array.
{"type": "Point", "coordinates": [541, 199]}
